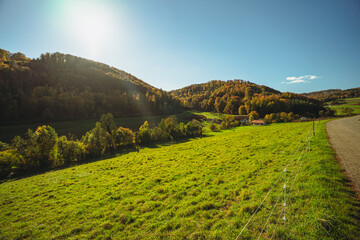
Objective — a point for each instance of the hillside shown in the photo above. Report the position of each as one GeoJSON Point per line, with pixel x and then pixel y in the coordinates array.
{"type": "Point", "coordinates": [198, 189]}
{"type": "Point", "coordinates": [243, 97]}
{"type": "Point", "coordinates": [334, 94]}
{"type": "Point", "coordinates": [57, 87]}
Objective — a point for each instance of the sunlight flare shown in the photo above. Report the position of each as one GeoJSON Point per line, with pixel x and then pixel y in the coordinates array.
{"type": "Point", "coordinates": [90, 24]}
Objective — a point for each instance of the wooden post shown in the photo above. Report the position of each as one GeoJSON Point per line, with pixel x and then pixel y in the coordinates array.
{"type": "Point", "coordinates": [313, 128]}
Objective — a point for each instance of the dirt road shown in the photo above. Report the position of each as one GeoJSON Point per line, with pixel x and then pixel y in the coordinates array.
{"type": "Point", "coordinates": [344, 136]}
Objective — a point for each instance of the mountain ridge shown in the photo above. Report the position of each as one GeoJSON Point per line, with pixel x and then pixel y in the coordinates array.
{"type": "Point", "coordinates": [58, 86]}
{"type": "Point", "coordinates": [244, 97]}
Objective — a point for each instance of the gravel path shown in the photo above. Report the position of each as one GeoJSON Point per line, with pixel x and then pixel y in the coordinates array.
{"type": "Point", "coordinates": [344, 136]}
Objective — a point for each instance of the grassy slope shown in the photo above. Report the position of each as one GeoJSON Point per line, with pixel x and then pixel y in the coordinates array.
{"type": "Point", "coordinates": [80, 127]}
{"type": "Point", "coordinates": [209, 114]}
{"type": "Point", "coordinates": [349, 102]}
{"type": "Point", "coordinates": [202, 188]}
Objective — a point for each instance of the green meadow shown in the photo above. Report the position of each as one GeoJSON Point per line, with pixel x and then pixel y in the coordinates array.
{"type": "Point", "coordinates": [353, 103]}
{"type": "Point", "coordinates": [203, 188]}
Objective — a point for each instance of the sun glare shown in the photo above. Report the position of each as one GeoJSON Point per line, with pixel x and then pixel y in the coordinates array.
{"type": "Point", "coordinates": [90, 24]}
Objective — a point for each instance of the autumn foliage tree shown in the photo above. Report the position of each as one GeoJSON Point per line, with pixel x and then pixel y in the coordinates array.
{"type": "Point", "coordinates": [243, 97]}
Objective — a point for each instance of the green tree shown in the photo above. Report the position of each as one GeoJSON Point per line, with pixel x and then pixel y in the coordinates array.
{"type": "Point", "coordinates": [145, 133]}
{"type": "Point", "coordinates": [46, 138]}
{"type": "Point", "coordinates": [28, 148]}
{"type": "Point", "coordinates": [69, 151]}
{"type": "Point", "coordinates": [107, 122]}
{"type": "Point", "coordinates": [157, 134]}
{"type": "Point", "coordinates": [94, 140]}
{"type": "Point", "coordinates": [9, 161]}
{"type": "Point", "coordinates": [4, 146]}
{"type": "Point", "coordinates": [284, 117]}
{"type": "Point", "coordinates": [194, 128]}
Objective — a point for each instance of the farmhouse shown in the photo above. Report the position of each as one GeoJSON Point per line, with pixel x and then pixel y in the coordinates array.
{"type": "Point", "coordinates": [258, 122]}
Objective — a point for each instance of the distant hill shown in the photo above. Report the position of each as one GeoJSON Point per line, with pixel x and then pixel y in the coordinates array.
{"type": "Point", "coordinates": [243, 97]}
{"type": "Point", "coordinates": [334, 94]}
{"type": "Point", "coordinates": [57, 87]}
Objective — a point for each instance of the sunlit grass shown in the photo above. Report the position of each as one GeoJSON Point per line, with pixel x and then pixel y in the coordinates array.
{"type": "Point", "coordinates": [353, 103]}
{"type": "Point", "coordinates": [198, 189]}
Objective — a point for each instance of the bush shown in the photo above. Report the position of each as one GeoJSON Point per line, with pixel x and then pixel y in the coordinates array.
{"type": "Point", "coordinates": [145, 133]}
{"type": "Point", "coordinates": [122, 137]}
{"type": "Point", "coordinates": [95, 141]}
{"type": "Point", "coordinates": [46, 138]}
{"type": "Point", "coordinates": [193, 128]}
{"type": "Point", "coordinates": [4, 146]}
{"type": "Point", "coordinates": [5, 164]}
{"type": "Point", "coordinates": [9, 161]}
{"type": "Point", "coordinates": [69, 151]}
{"type": "Point", "coordinates": [213, 127]}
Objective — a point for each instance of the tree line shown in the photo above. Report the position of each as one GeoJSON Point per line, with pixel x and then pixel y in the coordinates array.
{"type": "Point", "coordinates": [332, 96]}
{"type": "Point", "coordinates": [42, 149]}
{"type": "Point", "coordinates": [58, 87]}
{"type": "Point", "coordinates": [243, 97]}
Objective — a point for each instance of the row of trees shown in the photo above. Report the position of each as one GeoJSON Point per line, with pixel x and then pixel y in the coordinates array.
{"type": "Point", "coordinates": [242, 97]}
{"type": "Point", "coordinates": [333, 95]}
{"type": "Point", "coordinates": [58, 87]}
{"type": "Point", "coordinates": [43, 149]}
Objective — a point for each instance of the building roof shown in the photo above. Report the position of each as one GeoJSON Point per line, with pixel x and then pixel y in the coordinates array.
{"type": "Point", "coordinates": [258, 121]}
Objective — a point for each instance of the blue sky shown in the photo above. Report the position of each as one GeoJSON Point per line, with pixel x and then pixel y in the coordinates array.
{"type": "Point", "coordinates": [297, 46]}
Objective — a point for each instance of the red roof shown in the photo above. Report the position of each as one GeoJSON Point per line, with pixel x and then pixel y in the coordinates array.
{"type": "Point", "coordinates": [258, 121]}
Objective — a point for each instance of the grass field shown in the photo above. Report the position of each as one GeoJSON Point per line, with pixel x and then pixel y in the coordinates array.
{"type": "Point", "coordinates": [210, 114]}
{"type": "Point", "coordinates": [80, 127]}
{"type": "Point", "coordinates": [204, 188]}
{"type": "Point", "coordinates": [353, 103]}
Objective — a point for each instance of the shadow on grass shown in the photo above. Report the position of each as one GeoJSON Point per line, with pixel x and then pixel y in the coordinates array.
{"type": "Point", "coordinates": [116, 153]}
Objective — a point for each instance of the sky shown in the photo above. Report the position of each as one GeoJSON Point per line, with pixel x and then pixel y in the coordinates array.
{"type": "Point", "coordinates": [295, 46]}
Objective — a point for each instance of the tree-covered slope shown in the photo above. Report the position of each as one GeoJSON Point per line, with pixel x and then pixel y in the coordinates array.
{"type": "Point", "coordinates": [64, 87]}
{"type": "Point", "coordinates": [334, 94]}
{"type": "Point", "coordinates": [243, 97]}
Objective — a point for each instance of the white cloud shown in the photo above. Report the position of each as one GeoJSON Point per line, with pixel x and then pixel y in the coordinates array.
{"type": "Point", "coordinates": [301, 79]}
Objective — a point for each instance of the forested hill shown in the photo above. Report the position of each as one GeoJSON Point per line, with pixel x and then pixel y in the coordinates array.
{"type": "Point", "coordinates": [334, 94]}
{"type": "Point", "coordinates": [243, 97]}
{"type": "Point", "coordinates": [60, 86]}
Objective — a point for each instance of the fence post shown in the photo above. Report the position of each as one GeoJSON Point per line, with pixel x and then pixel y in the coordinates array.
{"type": "Point", "coordinates": [284, 218]}
{"type": "Point", "coordinates": [313, 128]}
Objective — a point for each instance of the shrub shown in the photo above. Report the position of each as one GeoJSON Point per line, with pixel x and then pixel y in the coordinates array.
{"type": "Point", "coordinates": [4, 146]}
{"type": "Point", "coordinates": [5, 164]}
{"type": "Point", "coordinates": [193, 128]}
{"type": "Point", "coordinates": [145, 133]}
{"type": "Point", "coordinates": [46, 138]}
{"type": "Point", "coordinates": [213, 127]}
{"type": "Point", "coordinates": [9, 161]}
{"type": "Point", "coordinates": [69, 151]}
{"type": "Point", "coordinates": [94, 141]}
